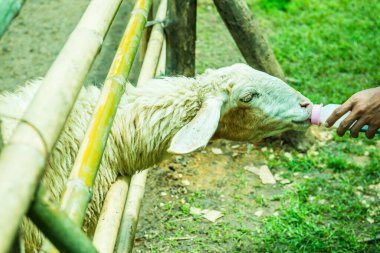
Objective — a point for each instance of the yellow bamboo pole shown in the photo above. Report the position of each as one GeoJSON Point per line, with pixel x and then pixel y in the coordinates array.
{"type": "Point", "coordinates": [137, 186]}
{"type": "Point", "coordinates": [22, 160]}
{"type": "Point", "coordinates": [77, 193]}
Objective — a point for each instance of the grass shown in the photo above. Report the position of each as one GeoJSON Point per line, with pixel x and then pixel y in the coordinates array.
{"type": "Point", "coordinates": [331, 49]}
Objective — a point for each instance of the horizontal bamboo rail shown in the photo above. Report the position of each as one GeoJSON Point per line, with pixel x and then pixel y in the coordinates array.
{"type": "Point", "coordinates": [8, 10]}
{"type": "Point", "coordinates": [22, 160]}
{"type": "Point", "coordinates": [137, 186]}
{"type": "Point", "coordinates": [43, 212]}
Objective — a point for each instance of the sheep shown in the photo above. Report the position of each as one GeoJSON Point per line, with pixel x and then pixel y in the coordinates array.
{"type": "Point", "coordinates": [167, 115]}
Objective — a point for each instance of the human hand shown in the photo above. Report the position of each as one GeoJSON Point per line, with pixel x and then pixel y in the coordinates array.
{"type": "Point", "coordinates": [365, 110]}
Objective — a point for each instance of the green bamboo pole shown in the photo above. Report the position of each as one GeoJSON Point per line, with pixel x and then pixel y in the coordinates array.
{"type": "Point", "coordinates": [55, 224]}
{"type": "Point", "coordinates": [24, 156]}
{"type": "Point", "coordinates": [137, 185]}
{"type": "Point", "coordinates": [77, 195]}
{"type": "Point", "coordinates": [8, 10]}
{"type": "Point", "coordinates": [77, 192]}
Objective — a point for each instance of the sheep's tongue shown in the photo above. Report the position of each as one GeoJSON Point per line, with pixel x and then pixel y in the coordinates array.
{"type": "Point", "coordinates": [315, 114]}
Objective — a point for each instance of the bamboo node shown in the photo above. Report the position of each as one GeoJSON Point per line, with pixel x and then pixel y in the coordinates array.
{"type": "Point", "coordinates": [80, 185]}
{"type": "Point", "coordinates": [141, 12]}
{"type": "Point", "coordinates": [120, 80]}
{"type": "Point", "coordinates": [91, 32]}
{"type": "Point", "coordinates": [161, 22]}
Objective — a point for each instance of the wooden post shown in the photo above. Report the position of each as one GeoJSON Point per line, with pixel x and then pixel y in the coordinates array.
{"type": "Point", "coordinates": [181, 37]}
{"type": "Point", "coordinates": [248, 36]}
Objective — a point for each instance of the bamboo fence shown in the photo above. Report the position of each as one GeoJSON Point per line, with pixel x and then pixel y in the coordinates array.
{"type": "Point", "coordinates": [110, 217]}
{"type": "Point", "coordinates": [8, 10]}
{"type": "Point", "coordinates": [77, 193]}
{"type": "Point", "coordinates": [137, 186]}
{"type": "Point", "coordinates": [44, 119]}
{"type": "Point", "coordinates": [51, 220]}
{"type": "Point", "coordinates": [40, 126]}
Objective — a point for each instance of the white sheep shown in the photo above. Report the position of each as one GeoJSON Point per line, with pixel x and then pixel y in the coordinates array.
{"type": "Point", "coordinates": [174, 114]}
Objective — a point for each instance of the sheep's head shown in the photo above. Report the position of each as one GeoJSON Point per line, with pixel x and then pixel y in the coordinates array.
{"type": "Point", "coordinates": [245, 105]}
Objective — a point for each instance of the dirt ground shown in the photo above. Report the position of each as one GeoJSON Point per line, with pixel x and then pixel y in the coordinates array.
{"type": "Point", "coordinates": [215, 178]}
{"type": "Point", "coordinates": [36, 35]}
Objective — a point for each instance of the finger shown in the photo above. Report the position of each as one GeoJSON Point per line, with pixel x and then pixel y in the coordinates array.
{"type": "Point", "coordinates": [371, 131]}
{"type": "Point", "coordinates": [346, 123]}
{"type": "Point", "coordinates": [355, 129]}
{"type": "Point", "coordinates": [339, 112]}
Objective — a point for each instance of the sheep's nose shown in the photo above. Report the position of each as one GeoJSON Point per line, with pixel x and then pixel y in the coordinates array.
{"type": "Point", "coordinates": [305, 104]}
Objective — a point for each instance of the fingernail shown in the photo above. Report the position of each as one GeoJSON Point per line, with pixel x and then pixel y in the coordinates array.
{"type": "Point", "coordinates": [326, 124]}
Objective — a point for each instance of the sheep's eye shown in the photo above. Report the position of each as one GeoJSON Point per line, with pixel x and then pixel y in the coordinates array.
{"type": "Point", "coordinates": [246, 98]}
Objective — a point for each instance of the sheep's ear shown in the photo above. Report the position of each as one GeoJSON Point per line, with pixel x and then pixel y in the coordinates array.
{"type": "Point", "coordinates": [199, 130]}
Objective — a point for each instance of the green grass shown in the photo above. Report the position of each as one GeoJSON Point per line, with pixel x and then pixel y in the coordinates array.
{"type": "Point", "coordinates": [332, 49]}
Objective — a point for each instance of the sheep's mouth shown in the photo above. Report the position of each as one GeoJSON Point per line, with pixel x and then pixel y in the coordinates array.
{"type": "Point", "coordinates": [302, 123]}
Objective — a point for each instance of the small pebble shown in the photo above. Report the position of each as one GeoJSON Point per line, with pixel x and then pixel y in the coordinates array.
{"type": "Point", "coordinates": [185, 182]}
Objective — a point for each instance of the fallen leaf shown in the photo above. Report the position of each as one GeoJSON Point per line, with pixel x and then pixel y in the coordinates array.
{"type": "Point", "coordinates": [285, 181]}
{"type": "Point", "coordinates": [217, 151]}
{"type": "Point", "coordinates": [185, 182]}
{"type": "Point", "coordinates": [266, 176]}
{"type": "Point", "coordinates": [370, 220]}
{"type": "Point", "coordinates": [259, 212]}
{"type": "Point", "coordinates": [195, 211]}
{"type": "Point", "coordinates": [253, 169]}
{"type": "Point", "coordinates": [213, 215]}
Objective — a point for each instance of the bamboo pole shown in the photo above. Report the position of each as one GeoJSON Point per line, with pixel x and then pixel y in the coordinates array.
{"type": "Point", "coordinates": [110, 217]}
{"type": "Point", "coordinates": [22, 160]}
{"type": "Point", "coordinates": [248, 36]}
{"type": "Point", "coordinates": [137, 186]}
{"type": "Point", "coordinates": [52, 221]}
{"type": "Point", "coordinates": [181, 37]}
{"type": "Point", "coordinates": [77, 192]}
{"type": "Point", "coordinates": [131, 212]}
{"type": "Point", "coordinates": [160, 70]}
{"type": "Point", "coordinates": [76, 195]}
{"type": "Point", "coordinates": [8, 10]}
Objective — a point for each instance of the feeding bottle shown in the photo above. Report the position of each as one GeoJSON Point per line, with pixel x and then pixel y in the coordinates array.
{"type": "Point", "coordinates": [320, 114]}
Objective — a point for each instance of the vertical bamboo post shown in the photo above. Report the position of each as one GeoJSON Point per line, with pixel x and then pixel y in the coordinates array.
{"type": "Point", "coordinates": [248, 36]}
{"type": "Point", "coordinates": [23, 158]}
{"type": "Point", "coordinates": [8, 10]}
{"type": "Point", "coordinates": [137, 186]}
{"type": "Point", "coordinates": [55, 224]}
{"type": "Point", "coordinates": [110, 217]}
{"type": "Point", "coordinates": [181, 37]}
